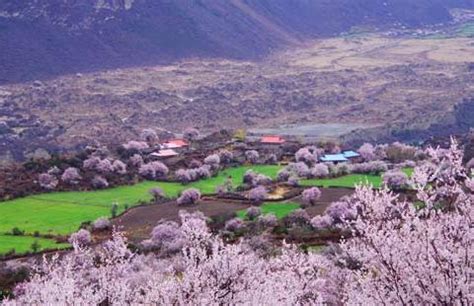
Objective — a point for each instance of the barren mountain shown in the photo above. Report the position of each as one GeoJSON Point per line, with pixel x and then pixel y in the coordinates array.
{"type": "Point", "coordinates": [395, 87]}
{"type": "Point", "coordinates": [43, 38]}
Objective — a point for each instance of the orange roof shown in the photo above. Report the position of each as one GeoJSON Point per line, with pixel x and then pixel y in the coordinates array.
{"type": "Point", "coordinates": [175, 143]}
{"type": "Point", "coordinates": [272, 139]}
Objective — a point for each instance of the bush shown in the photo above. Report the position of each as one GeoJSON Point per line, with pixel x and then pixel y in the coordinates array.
{"type": "Point", "coordinates": [17, 232]}
{"type": "Point", "coordinates": [99, 182]}
{"type": "Point", "coordinates": [258, 194]}
{"type": "Point", "coordinates": [367, 152]}
{"type": "Point", "coordinates": [101, 224]}
{"type": "Point", "coordinates": [319, 171]}
{"type": "Point", "coordinates": [311, 195]}
{"type": "Point", "coordinates": [395, 179]}
{"type": "Point", "coordinates": [321, 222]}
{"type": "Point", "coordinates": [304, 155]}
{"type": "Point", "coordinates": [191, 134]}
{"type": "Point", "coordinates": [157, 193]}
{"type": "Point", "coordinates": [234, 225]}
{"type": "Point", "coordinates": [47, 181]}
{"type": "Point", "coordinates": [252, 156]}
{"type": "Point", "coordinates": [71, 176]}
{"type": "Point", "coordinates": [114, 210]}
{"type": "Point", "coordinates": [81, 238]}
{"type": "Point", "coordinates": [253, 212]}
{"type": "Point", "coordinates": [189, 197]}
{"type": "Point", "coordinates": [268, 220]}
{"type": "Point", "coordinates": [153, 170]}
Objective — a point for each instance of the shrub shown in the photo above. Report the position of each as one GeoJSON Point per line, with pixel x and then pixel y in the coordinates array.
{"type": "Point", "coordinates": [395, 179]}
{"type": "Point", "coordinates": [81, 238]}
{"type": "Point", "coordinates": [319, 171]}
{"type": "Point", "coordinates": [149, 135]}
{"type": "Point", "coordinates": [311, 195]}
{"type": "Point", "coordinates": [367, 152]}
{"type": "Point", "coordinates": [298, 217]}
{"type": "Point", "coordinates": [47, 181]}
{"type": "Point", "coordinates": [258, 194]}
{"type": "Point", "coordinates": [398, 152]}
{"type": "Point", "coordinates": [71, 176]}
{"type": "Point", "coordinates": [305, 156]}
{"type": "Point", "coordinates": [213, 161]}
{"type": "Point", "coordinates": [191, 134]}
{"type": "Point", "coordinates": [253, 212]}
{"type": "Point", "coordinates": [17, 232]}
{"type": "Point", "coordinates": [167, 238]}
{"type": "Point", "coordinates": [153, 170]}
{"type": "Point", "coordinates": [35, 246]}
{"type": "Point", "coordinates": [136, 146]}
{"type": "Point", "coordinates": [283, 175]}
{"type": "Point", "coordinates": [91, 163]}
{"type": "Point", "coordinates": [268, 220]}
{"type": "Point", "coordinates": [271, 159]}
{"type": "Point", "coordinates": [114, 210]}
{"type": "Point", "coordinates": [252, 156]}
{"type": "Point", "coordinates": [101, 224]}
{"type": "Point", "coordinates": [299, 169]}
{"type": "Point", "coordinates": [194, 164]}
{"type": "Point", "coordinates": [99, 182]}
{"type": "Point", "coordinates": [189, 197]}
{"type": "Point", "coordinates": [226, 156]}
{"type": "Point", "coordinates": [321, 222]}
{"type": "Point", "coordinates": [293, 181]}
{"type": "Point", "coordinates": [157, 193]}
{"type": "Point", "coordinates": [234, 225]}
{"type": "Point", "coordinates": [136, 160]}
{"type": "Point", "coordinates": [105, 166]}
{"type": "Point", "coordinates": [373, 167]}
{"type": "Point", "coordinates": [341, 210]}
{"type": "Point", "coordinates": [119, 167]}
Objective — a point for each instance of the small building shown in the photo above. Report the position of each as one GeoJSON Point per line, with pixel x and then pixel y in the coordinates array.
{"type": "Point", "coordinates": [334, 158]}
{"type": "Point", "coordinates": [165, 153]}
{"type": "Point", "coordinates": [350, 154]}
{"type": "Point", "coordinates": [175, 144]}
{"type": "Point", "coordinates": [270, 139]}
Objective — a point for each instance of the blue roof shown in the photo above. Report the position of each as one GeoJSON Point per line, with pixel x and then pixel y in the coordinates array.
{"type": "Point", "coordinates": [350, 154]}
{"type": "Point", "coordinates": [334, 158]}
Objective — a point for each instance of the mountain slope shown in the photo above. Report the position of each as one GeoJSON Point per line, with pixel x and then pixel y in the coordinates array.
{"type": "Point", "coordinates": [43, 38]}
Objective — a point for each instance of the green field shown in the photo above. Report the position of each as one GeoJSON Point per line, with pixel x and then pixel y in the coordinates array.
{"type": "Point", "coordinates": [281, 209]}
{"type": "Point", "coordinates": [61, 213]}
{"type": "Point", "coordinates": [22, 244]}
{"type": "Point", "coordinates": [349, 181]}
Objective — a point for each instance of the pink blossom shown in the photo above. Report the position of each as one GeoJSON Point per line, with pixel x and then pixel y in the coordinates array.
{"type": "Point", "coordinates": [257, 194]}
{"type": "Point", "coordinates": [268, 220]}
{"type": "Point", "coordinates": [367, 152]}
{"type": "Point", "coordinates": [119, 167]}
{"type": "Point", "coordinates": [234, 225]}
{"type": "Point", "coordinates": [149, 135]}
{"type": "Point", "coordinates": [99, 182]}
{"type": "Point", "coordinates": [191, 134]}
{"type": "Point", "coordinates": [252, 156]}
{"type": "Point", "coordinates": [253, 212]}
{"type": "Point", "coordinates": [101, 223]}
{"type": "Point", "coordinates": [321, 222]}
{"type": "Point", "coordinates": [135, 146]}
{"type": "Point", "coordinates": [80, 238]}
{"type": "Point", "coordinates": [71, 176]}
{"type": "Point", "coordinates": [319, 171]}
{"type": "Point", "coordinates": [189, 197]}
{"type": "Point", "coordinates": [226, 156]}
{"type": "Point", "coordinates": [47, 181]}
{"type": "Point", "coordinates": [136, 160]}
{"type": "Point", "coordinates": [153, 170]}
{"type": "Point", "coordinates": [395, 179]}
{"type": "Point", "coordinates": [311, 196]}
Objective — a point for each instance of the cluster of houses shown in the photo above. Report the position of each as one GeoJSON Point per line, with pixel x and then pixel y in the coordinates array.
{"type": "Point", "coordinates": [270, 143]}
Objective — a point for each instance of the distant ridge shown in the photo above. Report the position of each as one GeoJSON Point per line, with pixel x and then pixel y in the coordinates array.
{"type": "Point", "coordinates": [45, 38]}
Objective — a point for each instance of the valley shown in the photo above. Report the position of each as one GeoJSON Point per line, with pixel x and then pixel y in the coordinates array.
{"type": "Point", "coordinates": [384, 87]}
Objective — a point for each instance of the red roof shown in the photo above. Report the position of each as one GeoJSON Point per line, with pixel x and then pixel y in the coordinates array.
{"type": "Point", "coordinates": [175, 143]}
{"type": "Point", "coordinates": [272, 139]}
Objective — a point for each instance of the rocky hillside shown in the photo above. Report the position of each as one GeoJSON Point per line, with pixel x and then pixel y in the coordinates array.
{"type": "Point", "coordinates": [44, 38]}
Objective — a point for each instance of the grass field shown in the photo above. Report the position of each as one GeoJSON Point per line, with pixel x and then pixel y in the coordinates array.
{"type": "Point", "coordinates": [22, 244]}
{"type": "Point", "coordinates": [281, 209]}
{"type": "Point", "coordinates": [62, 213]}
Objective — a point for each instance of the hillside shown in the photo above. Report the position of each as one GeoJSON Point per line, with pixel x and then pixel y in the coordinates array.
{"type": "Point", "coordinates": [44, 38]}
